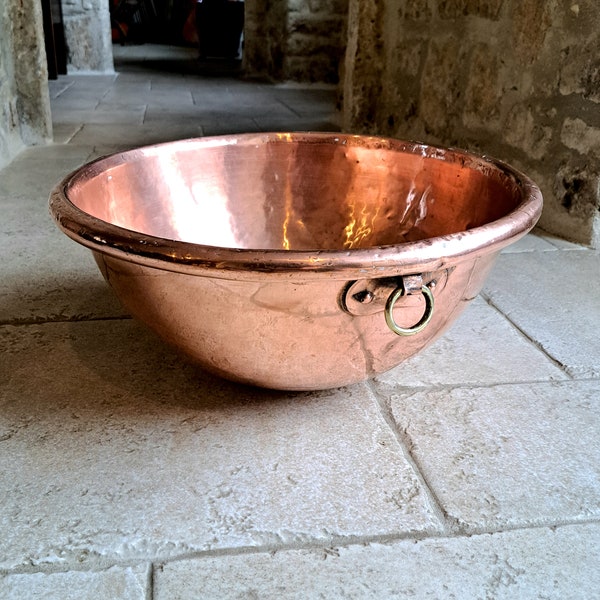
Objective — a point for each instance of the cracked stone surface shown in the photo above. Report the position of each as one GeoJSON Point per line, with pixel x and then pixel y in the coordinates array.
{"type": "Point", "coordinates": [44, 275]}
{"type": "Point", "coordinates": [554, 298]}
{"type": "Point", "coordinates": [112, 447]}
{"type": "Point", "coordinates": [507, 455]}
{"type": "Point", "coordinates": [539, 563]}
{"type": "Point", "coordinates": [116, 583]}
{"type": "Point", "coordinates": [464, 355]}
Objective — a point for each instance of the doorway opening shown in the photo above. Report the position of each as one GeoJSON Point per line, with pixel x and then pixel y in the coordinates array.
{"type": "Point", "coordinates": [208, 33]}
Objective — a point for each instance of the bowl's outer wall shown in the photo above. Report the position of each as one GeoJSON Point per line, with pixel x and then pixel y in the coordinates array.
{"type": "Point", "coordinates": [284, 334]}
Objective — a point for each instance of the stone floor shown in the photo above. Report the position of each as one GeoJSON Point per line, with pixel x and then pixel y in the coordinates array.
{"type": "Point", "coordinates": [471, 471]}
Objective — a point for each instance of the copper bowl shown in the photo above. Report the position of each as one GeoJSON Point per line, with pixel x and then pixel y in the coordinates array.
{"type": "Point", "coordinates": [296, 261]}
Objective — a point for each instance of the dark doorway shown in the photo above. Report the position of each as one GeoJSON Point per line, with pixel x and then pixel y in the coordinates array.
{"type": "Point", "coordinates": [220, 24]}
{"type": "Point", "coordinates": [214, 27]}
{"type": "Point", "coordinates": [54, 38]}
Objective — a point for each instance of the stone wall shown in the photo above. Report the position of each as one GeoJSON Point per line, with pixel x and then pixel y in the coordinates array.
{"type": "Point", "coordinates": [316, 39]}
{"type": "Point", "coordinates": [88, 36]}
{"type": "Point", "coordinates": [517, 79]}
{"type": "Point", "coordinates": [264, 38]}
{"type": "Point", "coordinates": [298, 40]}
{"type": "Point", "coordinates": [24, 102]}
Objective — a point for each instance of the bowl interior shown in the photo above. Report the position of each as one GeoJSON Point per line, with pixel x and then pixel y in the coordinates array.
{"type": "Point", "coordinates": [295, 193]}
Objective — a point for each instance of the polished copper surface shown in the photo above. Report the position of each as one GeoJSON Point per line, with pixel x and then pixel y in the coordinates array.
{"type": "Point", "coordinates": [241, 250]}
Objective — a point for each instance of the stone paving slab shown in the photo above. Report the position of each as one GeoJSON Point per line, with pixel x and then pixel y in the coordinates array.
{"type": "Point", "coordinates": [112, 447]}
{"type": "Point", "coordinates": [273, 123]}
{"type": "Point", "coordinates": [85, 84]}
{"type": "Point", "coordinates": [559, 564]}
{"type": "Point", "coordinates": [59, 86]}
{"type": "Point", "coordinates": [129, 87]}
{"type": "Point", "coordinates": [132, 136]}
{"type": "Point", "coordinates": [242, 106]}
{"type": "Point", "coordinates": [62, 133]}
{"type": "Point", "coordinates": [508, 455]}
{"type": "Point", "coordinates": [561, 244]}
{"type": "Point", "coordinates": [118, 107]}
{"type": "Point", "coordinates": [209, 115]}
{"type": "Point", "coordinates": [100, 116]}
{"type": "Point", "coordinates": [481, 348]}
{"type": "Point", "coordinates": [32, 175]}
{"type": "Point", "coordinates": [161, 116]}
{"type": "Point", "coordinates": [554, 298]}
{"type": "Point", "coordinates": [115, 583]}
{"type": "Point", "coordinates": [166, 96]}
{"type": "Point", "coordinates": [530, 243]}
{"type": "Point", "coordinates": [253, 111]}
{"type": "Point", "coordinates": [43, 274]}
{"type": "Point", "coordinates": [229, 126]}
{"type": "Point", "coordinates": [62, 285]}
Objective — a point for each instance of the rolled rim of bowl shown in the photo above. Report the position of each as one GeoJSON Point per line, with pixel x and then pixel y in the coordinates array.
{"type": "Point", "coordinates": [377, 261]}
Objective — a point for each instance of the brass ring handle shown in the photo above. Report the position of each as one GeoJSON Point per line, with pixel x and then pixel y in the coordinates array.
{"type": "Point", "coordinates": [389, 307]}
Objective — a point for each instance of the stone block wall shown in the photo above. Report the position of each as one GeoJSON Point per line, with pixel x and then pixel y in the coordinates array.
{"type": "Point", "coordinates": [88, 36]}
{"type": "Point", "coordinates": [24, 102]}
{"type": "Point", "coordinates": [516, 79]}
{"type": "Point", "coordinates": [264, 38]}
{"type": "Point", "coordinates": [298, 40]}
{"type": "Point", "coordinates": [316, 39]}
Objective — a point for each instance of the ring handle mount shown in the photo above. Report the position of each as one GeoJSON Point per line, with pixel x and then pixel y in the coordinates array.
{"type": "Point", "coordinates": [423, 322]}
{"type": "Point", "coordinates": [365, 297]}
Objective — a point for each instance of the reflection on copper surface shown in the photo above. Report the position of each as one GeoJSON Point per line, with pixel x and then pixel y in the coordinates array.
{"type": "Point", "coordinates": [285, 195]}
{"type": "Point", "coordinates": [240, 250]}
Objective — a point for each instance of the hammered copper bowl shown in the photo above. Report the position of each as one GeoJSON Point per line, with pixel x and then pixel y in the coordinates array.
{"type": "Point", "coordinates": [296, 261]}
